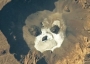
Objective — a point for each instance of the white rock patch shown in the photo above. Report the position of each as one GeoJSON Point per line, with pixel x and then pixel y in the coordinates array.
{"type": "Point", "coordinates": [53, 40]}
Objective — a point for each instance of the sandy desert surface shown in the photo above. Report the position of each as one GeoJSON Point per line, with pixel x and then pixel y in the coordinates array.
{"type": "Point", "coordinates": [15, 49]}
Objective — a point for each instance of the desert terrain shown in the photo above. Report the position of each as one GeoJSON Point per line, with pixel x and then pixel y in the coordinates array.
{"type": "Point", "coordinates": [14, 49]}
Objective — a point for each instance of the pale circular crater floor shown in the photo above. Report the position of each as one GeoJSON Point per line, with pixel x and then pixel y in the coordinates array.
{"type": "Point", "coordinates": [54, 35]}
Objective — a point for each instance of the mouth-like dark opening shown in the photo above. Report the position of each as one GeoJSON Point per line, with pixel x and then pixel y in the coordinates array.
{"type": "Point", "coordinates": [44, 38]}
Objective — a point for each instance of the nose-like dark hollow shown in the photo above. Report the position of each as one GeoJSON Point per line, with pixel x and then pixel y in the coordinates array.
{"type": "Point", "coordinates": [44, 38]}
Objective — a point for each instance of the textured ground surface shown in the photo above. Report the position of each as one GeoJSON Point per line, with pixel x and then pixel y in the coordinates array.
{"type": "Point", "coordinates": [5, 56]}
{"type": "Point", "coordinates": [75, 48]}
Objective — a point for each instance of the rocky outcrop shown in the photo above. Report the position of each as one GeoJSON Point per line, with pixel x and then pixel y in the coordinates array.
{"type": "Point", "coordinates": [3, 3]}
{"type": "Point", "coordinates": [5, 56]}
